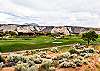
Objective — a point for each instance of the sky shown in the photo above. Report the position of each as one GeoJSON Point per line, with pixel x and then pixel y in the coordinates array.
{"type": "Point", "coordinates": [85, 13]}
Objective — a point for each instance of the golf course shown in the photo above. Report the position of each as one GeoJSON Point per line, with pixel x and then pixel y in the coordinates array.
{"type": "Point", "coordinates": [18, 44]}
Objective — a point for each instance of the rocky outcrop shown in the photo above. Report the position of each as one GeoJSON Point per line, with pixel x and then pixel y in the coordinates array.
{"type": "Point", "coordinates": [78, 30]}
{"type": "Point", "coordinates": [25, 29]}
{"type": "Point", "coordinates": [60, 29]}
{"type": "Point", "coordinates": [97, 30]}
{"type": "Point", "coordinates": [51, 29]}
{"type": "Point", "coordinates": [9, 27]}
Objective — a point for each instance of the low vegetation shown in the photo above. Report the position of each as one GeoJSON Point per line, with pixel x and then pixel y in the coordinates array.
{"type": "Point", "coordinates": [50, 59]}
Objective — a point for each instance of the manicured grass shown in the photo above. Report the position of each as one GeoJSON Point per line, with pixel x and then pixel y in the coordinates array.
{"type": "Point", "coordinates": [38, 42]}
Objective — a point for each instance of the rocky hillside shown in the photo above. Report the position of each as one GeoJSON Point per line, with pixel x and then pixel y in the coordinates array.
{"type": "Point", "coordinates": [29, 28]}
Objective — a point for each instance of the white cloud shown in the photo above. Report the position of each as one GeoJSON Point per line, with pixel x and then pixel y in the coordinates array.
{"type": "Point", "coordinates": [51, 12]}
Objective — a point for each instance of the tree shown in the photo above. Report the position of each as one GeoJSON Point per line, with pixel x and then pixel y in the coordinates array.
{"type": "Point", "coordinates": [89, 36]}
{"type": "Point", "coordinates": [12, 33]}
{"type": "Point", "coordinates": [6, 33]}
{"type": "Point", "coordinates": [1, 34]}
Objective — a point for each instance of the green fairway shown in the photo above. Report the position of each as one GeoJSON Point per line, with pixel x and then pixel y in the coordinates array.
{"type": "Point", "coordinates": [18, 44]}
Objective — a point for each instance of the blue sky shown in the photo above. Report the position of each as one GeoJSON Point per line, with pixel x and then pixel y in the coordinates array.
{"type": "Point", "coordinates": [84, 13]}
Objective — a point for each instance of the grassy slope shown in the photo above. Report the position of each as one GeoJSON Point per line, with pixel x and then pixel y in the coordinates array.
{"type": "Point", "coordinates": [38, 42]}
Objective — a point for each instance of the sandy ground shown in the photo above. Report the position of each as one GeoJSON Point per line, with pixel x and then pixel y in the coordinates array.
{"type": "Point", "coordinates": [8, 69]}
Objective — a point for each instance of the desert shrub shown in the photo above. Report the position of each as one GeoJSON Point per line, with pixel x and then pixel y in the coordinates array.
{"type": "Point", "coordinates": [52, 69]}
{"type": "Point", "coordinates": [19, 62]}
{"type": "Point", "coordinates": [76, 46]}
{"type": "Point", "coordinates": [33, 57]}
{"type": "Point", "coordinates": [82, 47]}
{"type": "Point", "coordinates": [38, 50]}
{"type": "Point", "coordinates": [33, 68]}
{"type": "Point", "coordinates": [21, 67]}
{"type": "Point", "coordinates": [67, 64]}
{"type": "Point", "coordinates": [14, 59]}
{"type": "Point", "coordinates": [17, 58]}
{"type": "Point", "coordinates": [73, 56]}
{"type": "Point", "coordinates": [79, 51]}
{"type": "Point", "coordinates": [83, 54]}
{"type": "Point", "coordinates": [88, 55]}
{"type": "Point", "coordinates": [85, 62]}
{"type": "Point", "coordinates": [59, 57]}
{"type": "Point", "coordinates": [54, 49]}
{"type": "Point", "coordinates": [29, 52]}
{"type": "Point", "coordinates": [31, 63]}
{"type": "Point", "coordinates": [55, 63]}
{"type": "Point", "coordinates": [66, 55]}
{"type": "Point", "coordinates": [1, 59]}
{"type": "Point", "coordinates": [26, 67]}
{"type": "Point", "coordinates": [43, 54]}
{"type": "Point", "coordinates": [33, 51]}
{"type": "Point", "coordinates": [78, 62]}
{"type": "Point", "coordinates": [71, 64]}
{"type": "Point", "coordinates": [46, 64]}
{"type": "Point", "coordinates": [63, 64]}
{"type": "Point", "coordinates": [24, 59]}
{"type": "Point", "coordinates": [62, 60]}
{"type": "Point", "coordinates": [1, 64]}
{"type": "Point", "coordinates": [88, 50]}
{"type": "Point", "coordinates": [54, 58]}
{"type": "Point", "coordinates": [80, 57]}
{"type": "Point", "coordinates": [29, 66]}
{"type": "Point", "coordinates": [73, 51]}
{"type": "Point", "coordinates": [38, 61]}
{"type": "Point", "coordinates": [9, 64]}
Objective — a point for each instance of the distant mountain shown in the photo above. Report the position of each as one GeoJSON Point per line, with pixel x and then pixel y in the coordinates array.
{"type": "Point", "coordinates": [32, 24]}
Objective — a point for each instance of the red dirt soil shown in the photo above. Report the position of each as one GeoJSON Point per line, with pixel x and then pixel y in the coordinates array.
{"type": "Point", "coordinates": [8, 69]}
